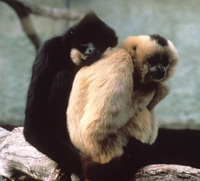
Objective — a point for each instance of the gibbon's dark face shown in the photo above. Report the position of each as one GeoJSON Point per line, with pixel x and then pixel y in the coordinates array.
{"type": "Point", "coordinates": [157, 66]}
{"type": "Point", "coordinates": [91, 37]}
{"type": "Point", "coordinates": [159, 61]}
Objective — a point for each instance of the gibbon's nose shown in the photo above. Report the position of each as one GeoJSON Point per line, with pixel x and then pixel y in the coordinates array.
{"type": "Point", "coordinates": [91, 49]}
{"type": "Point", "coordinates": [158, 72]}
{"type": "Point", "coordinates": [161, 70]}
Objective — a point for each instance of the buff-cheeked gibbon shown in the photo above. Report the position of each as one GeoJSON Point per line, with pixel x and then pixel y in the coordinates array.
{"type": "Point", "coordinates": [113, 99]}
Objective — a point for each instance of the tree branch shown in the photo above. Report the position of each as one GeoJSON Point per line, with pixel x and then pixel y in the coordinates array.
{"type": "Point", "coordinates": [55, 13]}
{"type": "Point", "coordinates": [24, 8]}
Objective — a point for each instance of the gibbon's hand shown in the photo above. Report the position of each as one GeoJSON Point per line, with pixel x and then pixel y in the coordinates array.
{"type": "Point", "coordinates": [144, 94]}
{"type": "Point", "coordinates": [162, 90]}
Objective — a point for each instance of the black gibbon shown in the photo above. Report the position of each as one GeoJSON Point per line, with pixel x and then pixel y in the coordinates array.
{"type": "Point", "coordinates": [112, 100]}
{"type": "Point", "coordinates": [52, 76]}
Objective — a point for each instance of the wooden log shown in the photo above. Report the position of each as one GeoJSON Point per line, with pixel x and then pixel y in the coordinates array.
{"type": "Point", "coordinates": [20, 161]}
{"type": "Point", "coordinates": [168, 172]}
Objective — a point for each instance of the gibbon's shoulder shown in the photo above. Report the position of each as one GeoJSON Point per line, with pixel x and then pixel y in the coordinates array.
{"type": "Point", "coordinates": [52, 45]}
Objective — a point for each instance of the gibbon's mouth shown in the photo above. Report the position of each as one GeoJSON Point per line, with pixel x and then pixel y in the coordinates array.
{"type": "Point", "coordinates": [95, 56]}
{"type": "Point", "coordinates": [157, 75]}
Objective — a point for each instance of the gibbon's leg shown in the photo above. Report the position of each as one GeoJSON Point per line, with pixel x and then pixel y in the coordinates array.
{"type": "Point", "coordinates": [140, 126]}
{"type": "Point", "coordinates": [161, 92]}
{"type": "Point", "coordinates": [154, 127]}
{"type": "Point", "coordinates": [146, 121]}
{"type": "Point", "coordinates": [143, 126]}
{"type": "Point", "coordinates": [143, 96]}
{"type": "Point", "coordinates": [66, 155]}
{"type": "Point", "coordinates": [48, 132]}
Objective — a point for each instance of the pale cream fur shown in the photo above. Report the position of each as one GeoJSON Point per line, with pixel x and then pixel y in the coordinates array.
{"type": "Point", "coordinates": [104, 111]}
{"type": "Point", "coordinates": [76, 56]}
{"type": "Point", "coordinates": [98, 103]}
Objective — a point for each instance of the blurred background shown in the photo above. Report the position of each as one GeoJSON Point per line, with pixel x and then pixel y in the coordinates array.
{"type": "Point", "coordinates": [177, 20]}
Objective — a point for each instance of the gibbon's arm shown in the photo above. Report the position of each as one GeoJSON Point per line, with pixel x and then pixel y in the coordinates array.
{"type": "Point", "coordinates": [143, 96]}
{"type": "Point", "coordinates": [162, 90]}
{"type": "Point", "coordinates": [45, 91]}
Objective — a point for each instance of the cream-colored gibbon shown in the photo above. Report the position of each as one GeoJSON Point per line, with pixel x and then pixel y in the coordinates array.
{"type": "Point", "coordinates": [113, 99]}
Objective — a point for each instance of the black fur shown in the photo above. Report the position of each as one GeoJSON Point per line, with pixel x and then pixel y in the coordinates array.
{"type": "Point", "coordinates": [52, 76]}
{"type": "Point", "coordinates": [177, 147]}
{"type": "Point", "coordinates": [160, 40]}
{"type": "Point", "coordinates": [158, 64]}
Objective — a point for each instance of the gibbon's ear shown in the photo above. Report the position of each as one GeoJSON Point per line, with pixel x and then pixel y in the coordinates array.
{"type": "Point", "coordinates": [76, 56]}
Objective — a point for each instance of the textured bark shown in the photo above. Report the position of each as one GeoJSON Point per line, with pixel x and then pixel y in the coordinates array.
{"type": "Point", "coordinates": [166, 172]}
{"type": "Point", "coordinates": [20, 161]}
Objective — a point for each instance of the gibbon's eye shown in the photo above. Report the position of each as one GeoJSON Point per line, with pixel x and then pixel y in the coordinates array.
{"type": "Point", "coordinates": [84, 44]}
{"type": "Point", "coordinates": [134, 48]}
{"type": "Point", "coordinates": [165, 61]}
{"type": "Point", "coordinates": [152, 61]}
{"type": "Point", "coordinates": [83, 47]}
